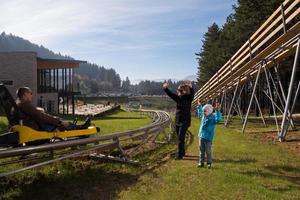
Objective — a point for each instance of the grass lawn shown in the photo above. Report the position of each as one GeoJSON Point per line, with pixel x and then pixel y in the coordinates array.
{"type": "Point", "coordinates": [244, 167]}
{"type": "Point", "coordinates": [23, 185]}
{"type": "Point", "coordinates": [122, 121]}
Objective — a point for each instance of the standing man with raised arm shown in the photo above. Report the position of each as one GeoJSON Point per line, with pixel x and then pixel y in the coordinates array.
{"type": "Point", "coordinates": [183, 99]}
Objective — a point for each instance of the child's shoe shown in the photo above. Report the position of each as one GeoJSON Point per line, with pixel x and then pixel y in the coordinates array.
{"type": "Point", "coordinates": [209, 166]}
{"type": "Point", "coordinates": [201, 165]}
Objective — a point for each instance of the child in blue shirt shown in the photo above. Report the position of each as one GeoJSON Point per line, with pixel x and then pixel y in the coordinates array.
{"type": "Point", "coordinates": [207, 130]}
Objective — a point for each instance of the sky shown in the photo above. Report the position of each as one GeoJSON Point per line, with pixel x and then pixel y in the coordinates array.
{"type": "Point", "coordinates": [140, 39]}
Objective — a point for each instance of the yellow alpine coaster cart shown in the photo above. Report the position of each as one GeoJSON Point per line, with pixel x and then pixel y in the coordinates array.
{"type": "Point", "coordinates": [20, 134]}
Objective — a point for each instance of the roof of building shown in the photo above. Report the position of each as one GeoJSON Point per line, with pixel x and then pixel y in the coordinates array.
{"type": "Point", "coordinates": [45, 63]}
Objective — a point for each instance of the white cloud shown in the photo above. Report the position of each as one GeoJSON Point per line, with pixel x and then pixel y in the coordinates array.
{"type": "Point", "coordinates": [76, 27]}
{"type": "Point", "coordinates": [44, 21]}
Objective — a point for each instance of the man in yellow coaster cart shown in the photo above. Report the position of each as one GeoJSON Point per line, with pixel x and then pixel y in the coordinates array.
{"type": "Point", "coordinates": [29, 124]}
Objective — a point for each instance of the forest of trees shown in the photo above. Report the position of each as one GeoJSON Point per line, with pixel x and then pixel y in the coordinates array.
{"type": "Point", "coordinates": [220, 43]}
{"type": "Point", "coordinates": [10, 42]}
{"type": "Point", "coordinates": [88, 78]}
{"type": "Point", "coordinates": [92, 78]}
{"type": "Point", "coordinates": [148, 87]}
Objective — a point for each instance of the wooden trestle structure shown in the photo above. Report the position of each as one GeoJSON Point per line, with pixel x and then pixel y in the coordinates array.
{"type": "Point", "coordinates": [277, 39]}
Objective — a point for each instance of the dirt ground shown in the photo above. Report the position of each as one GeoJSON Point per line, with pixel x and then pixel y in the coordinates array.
{"type": "Point", "coordinates": [292, 140]}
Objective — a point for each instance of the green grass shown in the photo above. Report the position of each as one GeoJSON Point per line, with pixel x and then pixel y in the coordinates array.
{"type": "Point", "coordinates": [3, 124]}
{"type": "Point", "coordinates": [60, 177]}
{"type": "Point", "coordinates": [244, 167]}
{"type": "Point", "coordinates": [122, 121]}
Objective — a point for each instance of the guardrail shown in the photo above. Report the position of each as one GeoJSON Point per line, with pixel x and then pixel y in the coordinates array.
{"type": "Point", "coordinates": [276, 39]}
{"type": "Point", "coordinates": [108, 142]}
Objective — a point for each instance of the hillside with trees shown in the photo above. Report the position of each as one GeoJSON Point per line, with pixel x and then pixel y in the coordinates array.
{"type": "Point", "coordinates": [88, 78]}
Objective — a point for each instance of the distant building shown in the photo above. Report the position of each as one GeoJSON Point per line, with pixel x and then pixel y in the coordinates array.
{"type": "Point", "coordinates": [51, 80]}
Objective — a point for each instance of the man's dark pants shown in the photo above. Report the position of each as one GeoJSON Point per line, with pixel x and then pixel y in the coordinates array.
{"type": "Point", "coordinates": [181, 129]}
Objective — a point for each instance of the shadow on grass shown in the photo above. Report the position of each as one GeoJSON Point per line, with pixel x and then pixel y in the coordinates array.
{"type": "Point", "coordinates": [190, 157]}
{"type": "Point", "coordinates": [91, 181]}
{"type": "Point", "coordinates": [240, 161]}
{"type": "Point", "coordinates": [284, 172]}
{"type": "Point", "coordinates": [292, 140]}
{"type": "Point", "coordinates": [86, 184]}
{"type": "Point", "coordinates": [285, 168]}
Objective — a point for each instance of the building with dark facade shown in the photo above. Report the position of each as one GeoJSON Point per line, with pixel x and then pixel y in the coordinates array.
{"type": "Point", "coordinates": [51, 80]}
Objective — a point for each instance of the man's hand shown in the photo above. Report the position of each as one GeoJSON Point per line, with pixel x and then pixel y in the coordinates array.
{"type": "Point", "coordinates": [66, 124]}
{"type": "Point", "coordinates": [40, 109]}
{"type": "Point", "coordinates": [199, 102]}
{"type": "Point", "coordinates": [188, 83]}
{"type": "Point", "coordinates": [166, 85]}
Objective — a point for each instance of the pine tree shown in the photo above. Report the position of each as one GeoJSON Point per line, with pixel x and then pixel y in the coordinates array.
{"type": "Point", "coordinates": [220, 44]}
{"type": "Point", "coordinates": [126, 85]}
{"type": "Point", "coordinates": [209, 56]}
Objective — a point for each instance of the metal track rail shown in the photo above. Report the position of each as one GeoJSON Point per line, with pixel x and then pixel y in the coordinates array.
{"type": "Point", "coordinates": [107, 143]}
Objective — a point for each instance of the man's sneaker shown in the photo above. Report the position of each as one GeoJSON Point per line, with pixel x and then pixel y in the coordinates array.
{"type": "Point", "coordinates": [75, 120]}
{"type": "Point", "coordinates": [201, 165]}
{"type": "Point", "coordinates": [209, 165]}
{"type": "Point", "coordinates": [98, 129]}
{"type": "Point", "coordinates": [86, 123]}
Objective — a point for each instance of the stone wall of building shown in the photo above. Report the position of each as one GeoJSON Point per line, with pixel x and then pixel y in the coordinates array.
{"type": "Point", "coordinates": [19, 69]}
